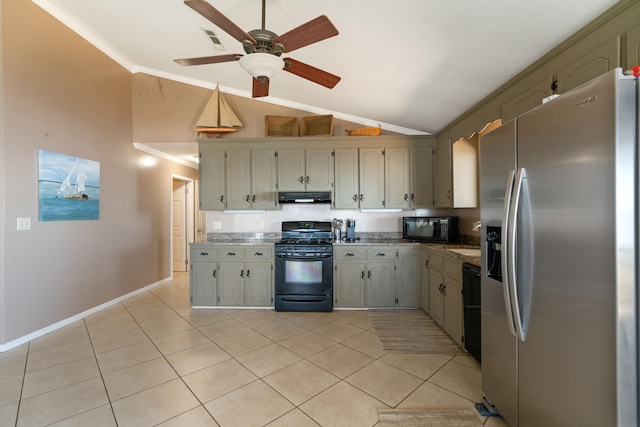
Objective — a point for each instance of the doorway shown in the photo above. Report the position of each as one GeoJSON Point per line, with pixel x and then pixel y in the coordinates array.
{"type": "Point", "coordinates": [182, 221]}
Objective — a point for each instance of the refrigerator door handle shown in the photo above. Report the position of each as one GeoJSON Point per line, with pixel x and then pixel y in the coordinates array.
{"type": "Point", "coordinates": [504, 242]}
{"type": "Point", "coordinates": [511, 252]}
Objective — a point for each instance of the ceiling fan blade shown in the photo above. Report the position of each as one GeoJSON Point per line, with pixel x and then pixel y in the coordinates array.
{"type": "Point", "coordinates": [308, 72]}
{"type": "Point", "coordinates": [212, 14]}
{"type": "Point", "coordinates": [311, 32]}
{"type": "Point", "coordinates": [208, 59]}
{"type": "Point", "coordinates": [260, 89]}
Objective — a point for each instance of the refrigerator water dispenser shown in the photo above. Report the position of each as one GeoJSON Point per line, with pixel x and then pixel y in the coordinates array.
{"type": "Point", "coordinates": [494, 255]}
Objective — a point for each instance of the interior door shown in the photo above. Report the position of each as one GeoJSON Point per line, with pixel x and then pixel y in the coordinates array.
{"type": "Point", "coordinates": [179, 225]}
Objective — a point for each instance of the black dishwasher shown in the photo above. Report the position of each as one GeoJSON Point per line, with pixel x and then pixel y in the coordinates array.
{"type": "Point", "coordinates": [471, 303]}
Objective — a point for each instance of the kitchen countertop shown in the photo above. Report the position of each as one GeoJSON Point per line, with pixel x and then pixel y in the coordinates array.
{"type": "Point", "coordinates": [444, 249]}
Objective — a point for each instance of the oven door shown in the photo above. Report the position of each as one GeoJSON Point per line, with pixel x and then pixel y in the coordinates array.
{"type": "Point", "coordinates": [304, 274]}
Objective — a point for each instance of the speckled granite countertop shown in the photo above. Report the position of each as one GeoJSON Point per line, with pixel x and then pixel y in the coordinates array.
{"type": "Point", "coordinates": [371, 239]}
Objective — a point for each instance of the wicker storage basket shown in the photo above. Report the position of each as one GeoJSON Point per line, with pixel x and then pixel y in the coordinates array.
{"type": "Point", "coordinates": [371, 131]}
{"type": "Point", "coordinates": [317, 125]}
{"type": "Point", "coordinates": [280, 126]}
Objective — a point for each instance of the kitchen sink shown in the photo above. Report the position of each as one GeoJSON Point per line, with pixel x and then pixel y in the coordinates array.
{"type": "Point", "coordinates": [466, 252]}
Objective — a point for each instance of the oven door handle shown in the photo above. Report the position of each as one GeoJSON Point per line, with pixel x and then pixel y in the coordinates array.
{"type": "Point", "coordinates": [310, 258]}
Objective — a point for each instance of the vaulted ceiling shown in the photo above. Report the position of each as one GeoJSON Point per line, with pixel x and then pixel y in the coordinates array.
{"type": "Point", "coordinates": [412, 66]}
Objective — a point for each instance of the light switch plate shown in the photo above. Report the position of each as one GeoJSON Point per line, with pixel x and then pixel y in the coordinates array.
{"type": "Point", "coordinates": [217, 225]}
{"type": "Point", "coordinates": [24, 224]}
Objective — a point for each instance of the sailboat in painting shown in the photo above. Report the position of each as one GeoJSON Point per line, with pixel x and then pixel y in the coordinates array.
{"type": "Point", "coordinates": [77, 191]}
{"type": "Point", "coordinates": [218, 117]}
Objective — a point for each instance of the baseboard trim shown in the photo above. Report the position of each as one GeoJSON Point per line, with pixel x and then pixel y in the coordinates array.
{"type": "Point", "coordinates": [24, 339]}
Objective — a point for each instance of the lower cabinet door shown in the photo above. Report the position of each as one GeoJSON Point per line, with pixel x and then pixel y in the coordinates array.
{"type": "Point", "coordinates": [436, 283]}
{"type": "Point", "coordinates": [231, 284]}
{"type": "Point", "coordinates": [258, 284]}
{"type": "Point", "coordinates": [348, 284]}
{"type": "Point", "coordinates": [203, 283]}
{"type": "Point", "coordinates": [453, 306]}
{"type": "Point", "coordinates": [380, 284]}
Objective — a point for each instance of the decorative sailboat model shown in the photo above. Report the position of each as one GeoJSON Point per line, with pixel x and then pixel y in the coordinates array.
{"type": "Point", "coordinates": [218, 117]}
{"type": "Point", "coordinates": [78, 189]}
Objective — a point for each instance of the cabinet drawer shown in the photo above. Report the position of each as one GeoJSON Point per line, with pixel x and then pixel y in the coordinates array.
{"type": "Point", "coordinates": [453, 269]}
{"type": "Point", "coordinates": [436, 261]}
{"type": "Point", "coordinates": [259, 253]}
{"type": "Point", "coordinates": [203, 254]}
{"type": "Point", "coordinates": [347, 254]}
{"type": "Point", "coordinates": [381, 254]}
{"type": "Point", "coordinates": [231, 253]}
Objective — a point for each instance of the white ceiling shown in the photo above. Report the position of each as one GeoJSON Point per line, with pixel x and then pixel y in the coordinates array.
{"type": "Point", "coordinates": [411, 65]}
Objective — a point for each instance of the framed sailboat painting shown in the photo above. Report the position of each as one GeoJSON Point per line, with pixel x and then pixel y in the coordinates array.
{"type": "Point", "coordinates": [68, 187]}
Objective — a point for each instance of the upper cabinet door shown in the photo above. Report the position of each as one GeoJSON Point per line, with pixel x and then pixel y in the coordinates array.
{"type": "Point", "coordinates": [597, 62]}
{"type": "Point", "coordinates": [421, 177]}
{"type": "Point", "coordinates": [291, 170]}
{"type": "Point", "coordinates": [319, 169]}
{"type": "Point", "coordinates": [212, 189]}
{"type": "Point", "coordinates": [443, 175]}
{"type": "Point", "coordinates": [264, 179]}
{"type": "Point", "coordinates": [238, 179]}
{"type": "Point", "coordinates": [371, 178]}
{"type": "Point", "coordinates": [346, 193]}
{"type": "Point", "coordinates": [397, 179]}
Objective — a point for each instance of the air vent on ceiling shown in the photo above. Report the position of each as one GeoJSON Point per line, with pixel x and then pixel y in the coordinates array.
{"type": "Point", "coordinates": [214, 39]}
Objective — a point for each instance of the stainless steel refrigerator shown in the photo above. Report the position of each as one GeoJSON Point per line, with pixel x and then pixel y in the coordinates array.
{"type": "Point", "coordinates": [559, 283]}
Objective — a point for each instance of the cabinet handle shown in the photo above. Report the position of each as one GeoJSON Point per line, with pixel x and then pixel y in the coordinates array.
{"type": "Point", "coordinates": [241, 273]}
{"type": "Point", "coordinates": [426, 264]}
{"type": "Point", "coordinates": [204, 253]}
{"type": "Point", "coordinates": [222, 198]}
{"type": "Point", "coordinates": [440, 288]}
{"type": "Point", "coordinates": [350, 254]}
{"type": "Point", "coordinates": [248, 274]}
{"type": "Point", "coordinates": [355, 197]}
{"type": "Point", "coordinates": [381, 254]}
{"type": "Point", "coordinates": [362, 275]}
{"type": "Point", "coordinates": [361, 197]}
{"type": "Point", "coordinates": [253, 199]}
{"type": "Point", "coordinates": [369, 274]}
{"type": "Point", "coordinates": [307, 179]}
{"type": "Point", "coordinates": [406, 197]}
{"type": "Point", "coordinates": [412, 197]}
{"type": "Point", "coordinates": [449, 194]}
{"type": "Point", "coordinates": [231, 254]}
{"type": "Point", "coordinates": [444, 290]}
{"type": "Point", "coordinates": [301, 179]}
{"type": "Point", "coordinates": [259, 254]}
{"type": "Point", "coordinates": [215, 273]}
{"type": "Point", "coordinates": [247, 198]}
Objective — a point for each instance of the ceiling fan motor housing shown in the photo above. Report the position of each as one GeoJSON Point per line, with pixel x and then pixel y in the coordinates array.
{"type": "Point", "coordinates": [264, 43]}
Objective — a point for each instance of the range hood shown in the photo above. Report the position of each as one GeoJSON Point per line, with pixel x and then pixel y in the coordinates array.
{"type": "Point", "coordinates": [304, 197]}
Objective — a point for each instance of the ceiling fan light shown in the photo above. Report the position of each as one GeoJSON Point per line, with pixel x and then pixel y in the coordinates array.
{"type": "Point", "coordinates": [262, 66]}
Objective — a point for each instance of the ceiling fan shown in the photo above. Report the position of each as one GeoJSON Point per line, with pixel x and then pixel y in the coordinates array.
{"type": "Point", "coordinates": [263, 48]}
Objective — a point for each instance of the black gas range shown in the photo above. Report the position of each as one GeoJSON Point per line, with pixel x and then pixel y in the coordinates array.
{"type": "Point", "coordinates": [304, 267]}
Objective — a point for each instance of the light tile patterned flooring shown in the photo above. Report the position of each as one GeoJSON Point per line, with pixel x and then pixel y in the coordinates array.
{"type": "Point", "coordinates": [153, 360]}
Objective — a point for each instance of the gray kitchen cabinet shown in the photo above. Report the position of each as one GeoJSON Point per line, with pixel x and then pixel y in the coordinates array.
{"type": "Point", "coordinates": [246, 276]}
{"type": "Point", "coordinates": [264, 180]}
{"type": "Point", "coordinates": [371, 175]}
{"type": "Point", "coordinates": [305, 169]}
{"type": "Point", "coordinates": [384, 178]}
{"type": "Point", "coordinates": [525, 101]}
{"type": "Point", "coordinates": [347, 190]}
{"type": "Point", "coordinates": [251, 179]}
{"type": "Point", "coordinates": [445, 302]}
{"type": "Point", "coordinates": [397, 178]}
{"type": "Point", "coordinates": [380, 275]}
{"type": "Point", "coordinates": [424, 279]}
{"type": "Point", "coordinates": [443, 180]}
{"type": "Point", "coordinates": [408, 290]}
{"type": "Point", "coordinates": [203, 277]}
{"type": "Point", "coordinates": [212, 180]}
{"type": "Point", "coordinates": [633, 47]}
{"type": "Point", "coordinates": [422, 176]}
{"type": "Point", "coordinates": [349, 276]}
{"type": "Point", "coordinates": [597, 62]}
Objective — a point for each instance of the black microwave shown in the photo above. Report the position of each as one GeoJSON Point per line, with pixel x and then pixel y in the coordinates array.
{"type": "Point", "coordinates": [443, 229]}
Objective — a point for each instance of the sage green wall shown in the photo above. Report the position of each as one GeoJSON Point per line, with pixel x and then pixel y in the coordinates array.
{"type": "Point", "coordinates": [59, 93]}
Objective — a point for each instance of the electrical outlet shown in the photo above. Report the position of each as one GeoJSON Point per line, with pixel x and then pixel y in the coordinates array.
{"type": "Point", "coordinates": [217, 225]}
{"type": "Point", "coordinates": [261, 224]}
